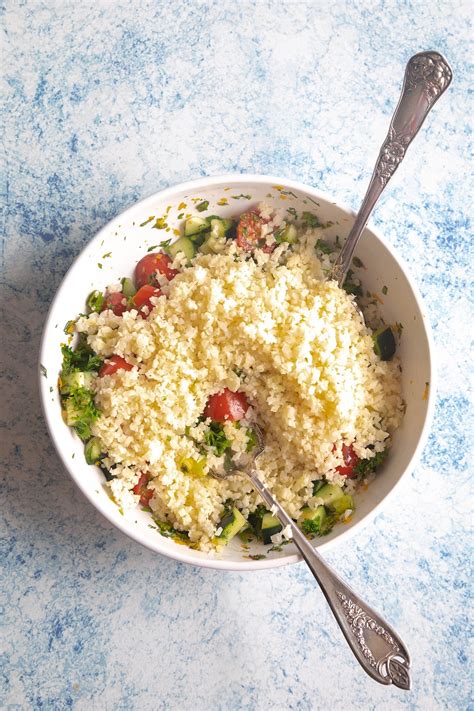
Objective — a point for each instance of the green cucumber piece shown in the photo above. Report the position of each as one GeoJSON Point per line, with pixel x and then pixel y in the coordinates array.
{"type": "Point", "coordinates": [213, 245]}
{"type": "Point", "coordinates": [288, 234]}
{"type": "Point", "coordinates": [384, 343]}
{"type": "Point", "coordinates": [344, 503]}
{"type": "Point", "coordinates": [128, 288]}
{"type": "Point", "coordinates": [330, 493]}
{"type": "Point", "coordinates": [182, 245]}
{"type": "Point", "coordinates": [93, 451]}
{"type": "Point", "coordinates": [231, 523]}
{"type": "Point", "coordinates": [195, 225]}
{"type": "Point", "coordinates": [75, 380]}
{"type": "Point", "coordinates": [270, 526]}
{"type": "Point", "coordinates": [219, 226]}
{"type": "Point", "coordinates": [316, 522]}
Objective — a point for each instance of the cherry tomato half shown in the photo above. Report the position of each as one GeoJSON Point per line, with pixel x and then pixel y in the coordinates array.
{"type": "Point", "coordinates": [350, 460]}
{"type": "Point", "coordinates": [117, 302]}
{"type": "Point", "coordinates": [249, 233]}
{"type": "Point", "coordinates": [142, 299]}
{"type": "Point", "coordinates": [140, 489]}
{"type": "Point", "coordinates": [148, 266]}
{"type": "Point", "coordinates": [114, 363]}
{"type": "Point", "coordinates": [226, 406]}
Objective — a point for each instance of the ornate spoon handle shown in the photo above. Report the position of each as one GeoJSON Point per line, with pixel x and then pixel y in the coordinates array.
{"type": "Point", "coordinates": [376, 645]}
{"type": "Point", "coordinates": [427, 77]}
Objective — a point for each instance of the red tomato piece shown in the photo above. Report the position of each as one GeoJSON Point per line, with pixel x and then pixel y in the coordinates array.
{"type": "Point", "coordinates": [142, 491]}
{"type": "Point", "coordinates": [350, 460]}
{"type": "Point", "coordinates": [114, 363]}
{"type": "Point", "coordinates": [226, 406]}
{"type": "Point", "coordinates": [249, 233]}
{"type": "Point", "coordinates": [117, 302]}
{"type": "Point", "coordinates": [148, 266]}
{"type": "Point", "coordinates": [142, 299]}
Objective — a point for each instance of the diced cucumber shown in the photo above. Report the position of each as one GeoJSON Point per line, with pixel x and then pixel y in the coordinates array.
{"type": "Point", "coordinates": [213, 245]}
{"type": "Point", "coordinates": [270, 526]}
{"type": "Point", "coordinates": [219, 226]}
{"type": "Point", "coordinates": [128, 287]}
{"type": "Point", "coordinates": [183, 245]}
{"type": "Point", "coordinates": [344, 503]}
{"type": "Point", "coordinates": [316, 522]}
{"type": "Point", "coordinates": [195, 225]}
{"type": "Point", "coordinates": [312, 520]}
{"type": "Point", "coordinates": [288, 234]}
{"type": "Point", "coordinates": [384, 343]}
{"type": "Point", "coordinates": [93, 451]}
{"type": "Point", "coordinates": [75, 380]}
{"type": "Point", "coordinates": [330, 493]}
{"type": "Point", "coordinates": [317, 485]}
{"type": "Point", "coordinates": [231, 523]}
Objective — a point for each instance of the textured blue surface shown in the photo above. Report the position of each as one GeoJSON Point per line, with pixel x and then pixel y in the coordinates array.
{"type": "Point", "coordinates": [106, 102]}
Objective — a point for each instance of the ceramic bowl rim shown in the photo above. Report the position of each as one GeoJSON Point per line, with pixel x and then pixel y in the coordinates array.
{"type": "Point", "coordinates": [180, 553]}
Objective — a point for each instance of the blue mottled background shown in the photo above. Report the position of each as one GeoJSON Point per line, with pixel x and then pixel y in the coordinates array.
{"type": "Point", "coordinates": [107, 102]}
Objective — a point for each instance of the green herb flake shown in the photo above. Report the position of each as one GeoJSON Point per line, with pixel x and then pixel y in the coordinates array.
{"type": "Point", "coordinates": [385, 290]}
{"type": "Point", "coordinates": [291, 211]}
{"type": "Point", "coordinates": [153, 246]}
{"type": "Point", "coordinates": [358, 262]}
{"type": "Point", "coordinates": [202, 206]}
{"type": "Point", "coordinates": [324, 246]}
{"type": "Point", "coordinates": [241, 197]}
{"type": "Point", "coordinates": [399, 327]}
{"type": "Point", "coordinates": [99, 265]}
{"type": "Point", "coordinates": [106, 255]}
{"type": "Point", "coordinates": [368, 466]}
{"type": "Point", "coordinates": [288, 192]}
{"type": "Point", "coordinates": [310, 220]}
{"type": "Point", "coordinates": [181, 215]}
{"type": "Point", "coordinates": [142, 224]}
{"type": "Point", "coordinates": [44, 372]}
{"type": "Point", "coordinates": [50, 388]}
{"type": "Point", "coordinates": [258, 556]}
{"type": "Point", "coordinates": [252, 440]}
{"type": "Point", "coordinates": [215, 437]}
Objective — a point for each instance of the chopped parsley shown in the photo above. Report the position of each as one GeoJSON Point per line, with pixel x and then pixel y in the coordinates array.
{"type": "Point", "coordinates": [153, 246]}
{"type": "Point", "coordinates": [82, 359]}
{"type": "Point", "coordinates": [358, 262]}
{"type": "Point", "coordinates": [44, 372]}
{"type": "Point", "coordinates": [216, 438]}
{"type": "Point", "coordinates": [142, 224]}
{"type": "Point", "coordinates": [310, 220]}
{"type": "Point", "coordinates": [252, 440]}
{"type": "Point", "coordinates": [324, 246]}
{"type": "Point", "coordinates": [106, 255]}
{"type": "Point", "coordinates": [368, 466]}
{"type": "Point", "coordinates": [241, 196]}
{"type": "Point", "coordinates": [258, 556]}
{"type": "Point", "coordinates": [167, 530]}
{"type": "Point", "coordinates": [95, 301]}
{"type": "Point", "coordinates": [202, 206]}
{"type": "Point", "coordinates": [385, 290]}
{"type": "Point", "coordinates": [160, 224]}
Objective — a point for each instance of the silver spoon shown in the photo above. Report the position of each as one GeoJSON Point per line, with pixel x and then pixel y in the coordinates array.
{"type": "Point", "coordinates": [377, 647]}
{"type": "Point", "coordinates": [374, 643]}
{"type": "Point", "coordinates": [427, 76]}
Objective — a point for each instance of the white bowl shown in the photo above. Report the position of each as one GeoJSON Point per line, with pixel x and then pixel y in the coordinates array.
{"type": "Point", "coordinates": [127, 242]}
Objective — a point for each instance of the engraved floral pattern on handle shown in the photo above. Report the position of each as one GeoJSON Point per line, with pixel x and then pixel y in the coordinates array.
{"type": "Point", "coordinates": [427, 75]}
{"type": "Point", "coordinates": [392, 667]}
